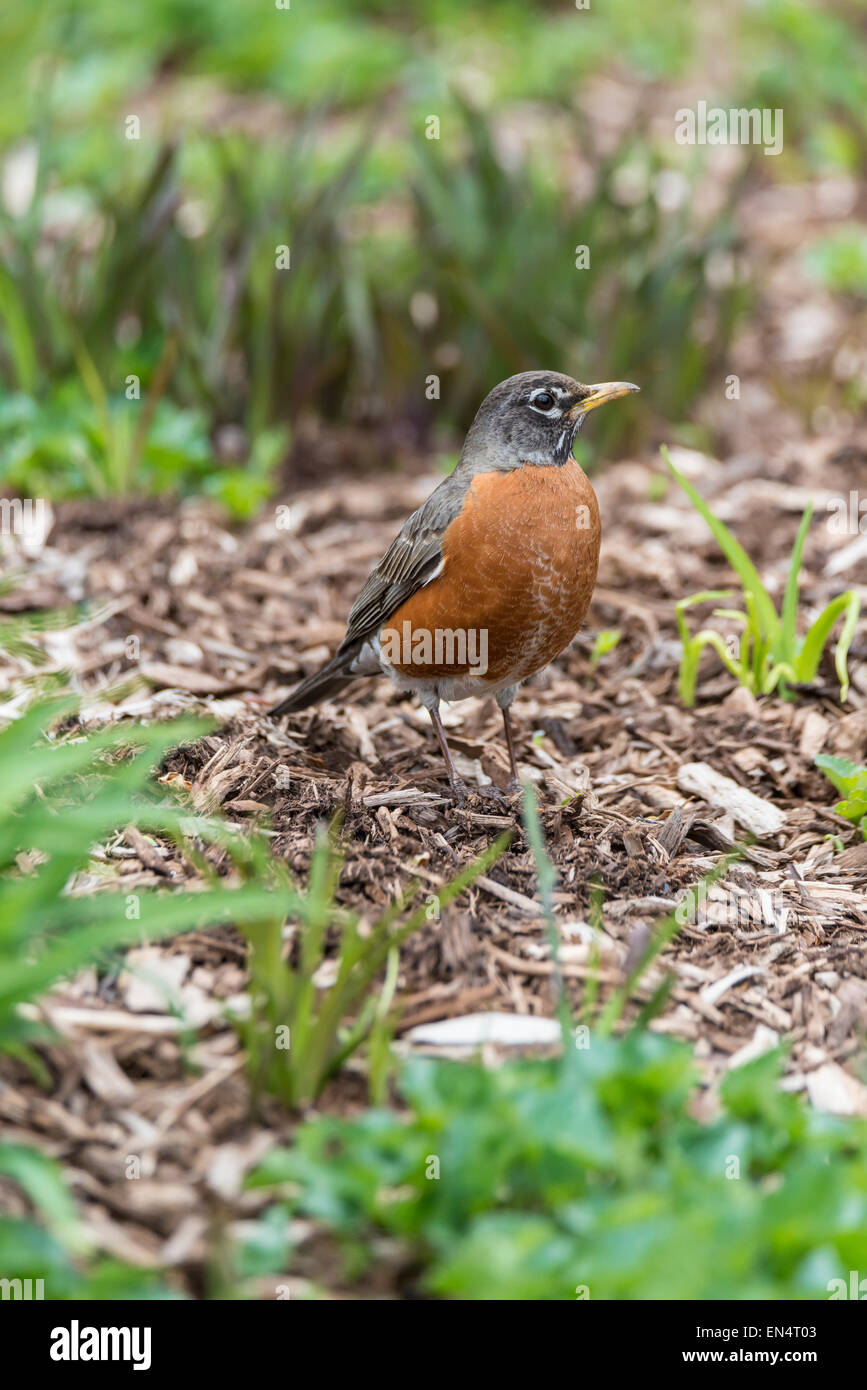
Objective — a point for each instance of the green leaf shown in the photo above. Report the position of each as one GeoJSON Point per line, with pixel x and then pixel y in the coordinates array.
{"type": "Point", "coordinates": [42, 1180]}
{"type": "Point", "coordinates": [807, 663]}
{"type": "Point", "coordinates": [845, 775]}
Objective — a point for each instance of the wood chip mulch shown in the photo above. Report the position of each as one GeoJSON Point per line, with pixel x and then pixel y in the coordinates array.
{"type": "Point", "coordinates": [192, 615]}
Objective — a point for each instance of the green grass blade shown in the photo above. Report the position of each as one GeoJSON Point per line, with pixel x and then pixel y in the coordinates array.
{"type": "Point", "coordinates": [786, 651]}
{"type": "Point", "coordinates": [735, 554]}
{"type": "Point", "coordinates": [21, 343]}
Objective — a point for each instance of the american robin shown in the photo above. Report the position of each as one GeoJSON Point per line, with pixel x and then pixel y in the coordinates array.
{"type": "Point", "coordinates": [491, 578]}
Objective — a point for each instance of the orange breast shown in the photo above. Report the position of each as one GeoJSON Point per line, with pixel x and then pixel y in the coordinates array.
{"type": "Point", "coordinates": [520, 566]}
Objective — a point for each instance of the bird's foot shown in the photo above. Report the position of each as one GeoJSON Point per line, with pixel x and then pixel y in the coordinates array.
{"type": "Point", "coordinates": [460, 790]}
{"type": "Point", "coordinates": [500, 796]}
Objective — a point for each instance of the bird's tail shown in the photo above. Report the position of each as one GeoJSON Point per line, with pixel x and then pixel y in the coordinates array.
{"type": "Point", "coordinates": [333, 676]}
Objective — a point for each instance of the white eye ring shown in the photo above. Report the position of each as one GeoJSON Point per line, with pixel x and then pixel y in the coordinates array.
{"type": "Point", "coordinates": [553, 411]}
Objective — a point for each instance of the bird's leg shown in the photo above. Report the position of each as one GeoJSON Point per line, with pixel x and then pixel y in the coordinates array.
{"type": "Point", "coordinates": [457, 785]}
{"type": "Point", "coordinates": [514, 780]}
{"type": "Point", "coordinates": [505, 699]}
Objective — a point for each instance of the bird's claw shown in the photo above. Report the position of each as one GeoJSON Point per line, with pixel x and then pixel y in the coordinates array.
{"type": "Point", "coordinates": [500, 795]}
{"type": "Point", "coordinates": [460, 791]}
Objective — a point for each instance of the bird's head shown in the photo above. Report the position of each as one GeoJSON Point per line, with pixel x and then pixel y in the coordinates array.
{"type": "Point", "coordinates": [534, 418]}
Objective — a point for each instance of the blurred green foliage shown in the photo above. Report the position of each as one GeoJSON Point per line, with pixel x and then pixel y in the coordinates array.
{"type": "Point", "coordinates": [62, 795]}
{"type": "Point", "coordinates": [533, 1180]}
{"type": "Point", "coordinates": [410, 257]}
{"type": "Point", "coordinates": [48, 932]}
{"type": "Point", "coordinates": [839, 261]}
{"type": "Point", "coordinates": [809, 60]}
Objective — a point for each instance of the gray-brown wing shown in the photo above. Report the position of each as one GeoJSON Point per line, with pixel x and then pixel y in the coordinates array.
{"type": "Point", "coordinates": [410, 561]}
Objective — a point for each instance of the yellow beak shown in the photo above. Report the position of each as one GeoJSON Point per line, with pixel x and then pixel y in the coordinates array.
{"type": "Point", "coordinates": [601, 393]}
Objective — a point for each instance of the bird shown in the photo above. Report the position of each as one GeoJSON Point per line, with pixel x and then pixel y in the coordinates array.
{"type": "Point", "coordinates": [491, 578]}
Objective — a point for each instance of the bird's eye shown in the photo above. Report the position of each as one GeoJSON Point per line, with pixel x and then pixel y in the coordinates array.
{"type": "Point", "coordinates": [543, 400]}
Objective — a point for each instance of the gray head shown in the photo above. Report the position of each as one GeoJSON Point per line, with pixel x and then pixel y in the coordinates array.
{"type": "Point", "coordinates": [533, 418]}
